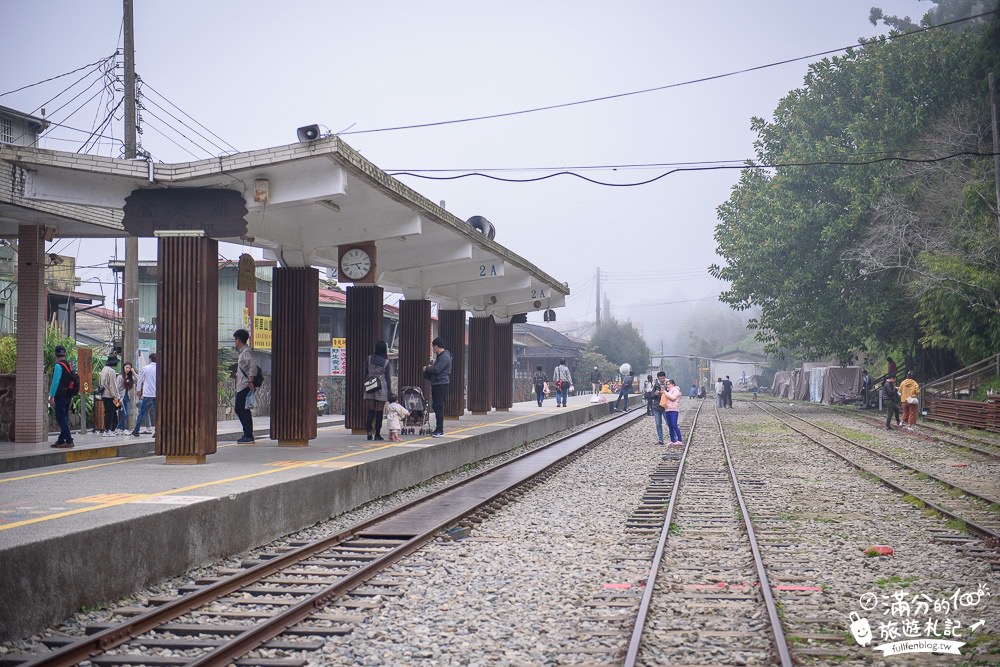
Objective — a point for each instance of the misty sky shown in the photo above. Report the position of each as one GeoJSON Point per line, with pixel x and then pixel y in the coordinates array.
{"type": "Point", "coordinates": [252, 72]}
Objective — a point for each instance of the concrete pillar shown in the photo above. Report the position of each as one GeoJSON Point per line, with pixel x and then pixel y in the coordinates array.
{"type": "Point", "coordinates": [187, 334]}
{"type": "Point", "coordinates": [294, 350]}
{"type": "Point", "coordinates": [364, 327]}
{"type": "Point", "coordinates": [481, 365]}
{"type": "Point", "coordinates": [414, 344]}
{"type": "Point", "coordinates": [30, 413]}
{"type": "Point", "coordinates": [451, 327]}
{"type": "Point", "coordinates": [503, 366]}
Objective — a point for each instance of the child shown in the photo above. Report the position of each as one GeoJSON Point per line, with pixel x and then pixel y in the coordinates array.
{"type": "Point", "coordinates": [395, 414]}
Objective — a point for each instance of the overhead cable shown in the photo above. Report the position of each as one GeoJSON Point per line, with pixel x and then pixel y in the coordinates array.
{"type": "Point", "coordinates": [59, 76]}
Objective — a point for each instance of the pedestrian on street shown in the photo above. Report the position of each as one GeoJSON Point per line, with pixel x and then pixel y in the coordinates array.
{"type": "Point", "coordinates": [909, 396]}
{"type": "Point", "coordinates": [890, 398]}
{"type": "Point", "coordinates": [378, 367]}
{"type": "Point", "coordinates": [59, 397]}
{"type": "Point", "coordinates": [246, 371]}
{"type": "Point", "coordinates": [146, 393]}
{"type": "Point", "coordinates": [539, 379]}
{"type": "Point", "coordinates": [595, 381]}
{"type": "Point", "coordinates": [562, 378]}
{"type": "Point", "coordinates": [439, 374]}
{"type": "Point", "coordinates": [110, 396]}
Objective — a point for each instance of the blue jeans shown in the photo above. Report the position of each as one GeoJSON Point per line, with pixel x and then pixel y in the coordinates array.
{"type": "Point", "coordinates": [62, 418]}
{"type": "Point", "coordinates": [123, 411]}
{"type": "Point", "coordinates": [561, 394]}
{"type": "Point", "coordinates": [675, 430]}
{"type": "Point", "coordinates": [623, 394]}
{"type": "Point", "coordinates": [660, 415]}
{"type": "Point", "coordinates": [146, 406]}
{"type": "Point", "coordinates": [539, 394]}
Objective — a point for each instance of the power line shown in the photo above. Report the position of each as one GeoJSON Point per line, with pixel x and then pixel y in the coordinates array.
{"type": "Point", "coordinates": [59, 76]}
{"type": "Point", "coordinates": [193, 119]}
{"type": "Point", "coordinates": [663, 87]}
{"type": "Point", "coordinates": [749, 165]}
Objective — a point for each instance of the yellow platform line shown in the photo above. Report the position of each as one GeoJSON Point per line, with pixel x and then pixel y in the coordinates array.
{"type": "Point", "coordinates": [203, 485]}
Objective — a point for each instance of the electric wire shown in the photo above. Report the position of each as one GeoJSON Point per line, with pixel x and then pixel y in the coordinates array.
{"type": "Point", "coordinates": [167, 111]}
{"type": "Point", "coordinates": [192, 118]}
{"type": "Point", "coordinates": [59, 76]}
{"type": "Point", "coordinates": [643, 91]}
{"type": "Point", "coordinates": [107, 120]}
{"type": "Point", "coordinates": [188, 139]}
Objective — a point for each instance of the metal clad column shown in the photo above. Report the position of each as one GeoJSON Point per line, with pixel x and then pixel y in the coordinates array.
{"type": "Point", "coordinates": [294, 350]}
{"type": "Point", "coordinates": [364, 327]}
{"type": "Point", "coordinates": [451, 327]}
{"type": "Point", "coordinates": [480, 365]}
{"type": "Point", "coordinates": [30, 415]}
{"type": "Point", "coordinates": [503, 368]}
{"type": "Point", "coordinates": [187, 334]}
{"type": "Point", "coordinates": [415, 344]}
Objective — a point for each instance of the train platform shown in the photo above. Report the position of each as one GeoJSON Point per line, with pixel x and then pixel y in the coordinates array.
{"type": "Point", "coordinates": [85, 532]}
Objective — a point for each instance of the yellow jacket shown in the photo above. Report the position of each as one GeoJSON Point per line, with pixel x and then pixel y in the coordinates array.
{"type": "Point", "coordinates": [908, 388]}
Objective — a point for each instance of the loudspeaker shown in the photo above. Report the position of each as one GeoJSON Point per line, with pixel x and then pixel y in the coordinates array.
{"type": "Point", "coordinates": [483, 226]}
{"type": "Point", "coordinates": [308, 133]}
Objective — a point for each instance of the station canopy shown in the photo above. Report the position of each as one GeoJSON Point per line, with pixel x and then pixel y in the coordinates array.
{"type": "Point", "coordinates": [301, 203]}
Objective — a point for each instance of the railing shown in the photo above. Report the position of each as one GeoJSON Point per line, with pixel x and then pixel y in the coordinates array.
{"type": "Point", "coordinates": [983, 415]}
{"type": "Point", "coordinates": [966, 381]}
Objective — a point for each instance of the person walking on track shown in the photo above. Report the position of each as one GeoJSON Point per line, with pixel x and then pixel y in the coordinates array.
{"type": "Point", "coordinates": [909, 396]}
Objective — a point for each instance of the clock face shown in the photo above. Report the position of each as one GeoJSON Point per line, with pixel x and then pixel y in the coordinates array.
{"type": "Point", "coordinates": [355, 263]}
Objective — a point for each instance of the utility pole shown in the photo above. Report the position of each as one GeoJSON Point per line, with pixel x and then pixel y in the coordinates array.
{"type": "Point", "coordinates": [996, 144]}
{"type": "Point", "coordinates": [130, 287]}
{"type": "Point", "coordinates": [598, 296]}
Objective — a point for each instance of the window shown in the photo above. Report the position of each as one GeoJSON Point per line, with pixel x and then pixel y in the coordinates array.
{"type": "Point", "coordinates": [263, 298]}
{"type": "Point", "coordinates": [6, 131]}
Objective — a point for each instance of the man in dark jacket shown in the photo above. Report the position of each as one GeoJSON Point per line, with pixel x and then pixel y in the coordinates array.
{"type": "Point", "coordinates": [439, 373]}
{"type": "Point", "coordinates": [890, 400]}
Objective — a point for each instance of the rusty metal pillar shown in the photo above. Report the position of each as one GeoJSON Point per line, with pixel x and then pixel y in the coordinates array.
{"type": "Point", "coordinates": [503, 367]}
{"type": "Point", "coordinates": [364, 327]}
{"type": "Point", "coordinates": [294, 350]}
{"type": "Point", "coordinates": [451, 327]}
{"type": "Point", "coordinates": [480, 365]}
{"type": "Point", "coordinates": [30, 414]}
{"type": "Point", "coordinates": [414, 344]}
{"type": "Point", "coordinates": [187, 334]}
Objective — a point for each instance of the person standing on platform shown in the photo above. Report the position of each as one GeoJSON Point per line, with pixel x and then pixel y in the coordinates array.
{"type": "Point", "coordinates": [673, 395]}
{"type": "Point", "coordinates": [146, 393]}
{"type": "Point", "coordinates": [720, 397]}
{"type": "Point", "coordinates": [539, 379]}
{"type": "Point", "coordinates": [110, 396]}
{"type": "Point", "coordinates": [378, 367]}
{"type": "Point", "coordinates": [126, 383]}
{"type": "Point", "coordinates": [727, 392]}
{"type": "Point", "coordinates": [625, 390]}
{"type": "Point", "coordinates": [909, 395]}
{"type": "Point", "coordinates": [246, 371]}
{"type": "Point", "coordinates": [595, 381]}
{"type": "Point", "coordinates": [890, 398]}
{"type": "Point", "coordinates": [59, 397]}
{"type": "Point", "coordinates": [439, 374]}
{"type": "Point", "coordinates": [394, 416]}
{"type": "Point", "coordinates": [562, 379]}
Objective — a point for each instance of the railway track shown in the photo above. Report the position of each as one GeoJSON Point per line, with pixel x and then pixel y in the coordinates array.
{"type": "Point", "coordinates": [977, 509]}
{"type": "Point", "coordinates": [291, 602]}
{"type": "Point", "coordinates": [707, 577]}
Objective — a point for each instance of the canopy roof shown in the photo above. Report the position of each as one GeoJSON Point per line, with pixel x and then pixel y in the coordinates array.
{"type": "Point", "coordinates": [321, 195]}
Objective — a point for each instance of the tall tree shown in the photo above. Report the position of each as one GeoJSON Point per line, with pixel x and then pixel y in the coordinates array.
{"type": "Point", "coordinates": [621, 342]}
{"type": "Point", "coordinates": [822, 165]}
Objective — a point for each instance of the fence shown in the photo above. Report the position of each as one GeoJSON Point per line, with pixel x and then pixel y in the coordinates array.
{"type": "Point", "coordinates": [982, 415]}
{"type": "Point", "coordinates": [964, 382]}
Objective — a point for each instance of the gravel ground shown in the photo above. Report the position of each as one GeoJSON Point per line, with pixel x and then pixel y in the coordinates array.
{"type": "Point", "coordinates": [540, 582]}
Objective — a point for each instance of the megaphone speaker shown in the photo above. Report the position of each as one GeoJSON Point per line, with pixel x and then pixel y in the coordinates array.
{"type": "Point", "coordinates": [308, 133]}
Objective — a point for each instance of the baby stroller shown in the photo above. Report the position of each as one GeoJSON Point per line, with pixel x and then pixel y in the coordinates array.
{"type": "Point", "coordinates": [412, 398]}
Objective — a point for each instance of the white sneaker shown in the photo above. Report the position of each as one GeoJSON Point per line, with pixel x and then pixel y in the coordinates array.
{"type": "Point", "coordinates": [107, 434]}
{"type": "Point", "coordinates": [146, 431]}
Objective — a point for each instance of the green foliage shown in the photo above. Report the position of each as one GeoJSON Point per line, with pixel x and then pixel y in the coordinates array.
{"type": "Point", "coordinates": [54, 336]}
{"type": "Point", "coordinates": [8, 354]}
{"type": "Point", "coordinates": [789, 235]}
{"type": "Point", "coordinates": [620, 342]}
{"type": "Point", "coordinates": [588, 360]}
{"type": "Point", "coordinates": [993, 384]}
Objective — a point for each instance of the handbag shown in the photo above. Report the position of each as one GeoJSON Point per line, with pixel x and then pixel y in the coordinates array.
{"type": "Point", "coordinates": [664, 402]}
{"type": "Point", "coordinates": [373, 384]}
{"type": "Point", "coordinates": [545, 388]}
{"type": "Point", "coordinates": [913, 400]}
{"type": "Point", "coordinates": [251, 400]}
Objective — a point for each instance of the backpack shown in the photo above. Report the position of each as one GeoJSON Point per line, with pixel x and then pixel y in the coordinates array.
{"type": "Point", "coordinates": [69, 381]}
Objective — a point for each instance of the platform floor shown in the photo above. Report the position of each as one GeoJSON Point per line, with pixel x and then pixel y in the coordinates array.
{"type": "Point", "coordinates": [86, 531]}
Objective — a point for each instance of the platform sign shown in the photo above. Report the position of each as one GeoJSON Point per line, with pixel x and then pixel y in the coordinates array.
{"type": "Point", "coordinates": [261, 332]}
{"type": "Point", "coordinates": [338, 357]}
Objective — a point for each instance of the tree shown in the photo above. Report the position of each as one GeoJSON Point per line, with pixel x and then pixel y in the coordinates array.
{"type": "Point", "coordinates": [786, 230]}
{"type": "Point", "coordinates": [620, 342]}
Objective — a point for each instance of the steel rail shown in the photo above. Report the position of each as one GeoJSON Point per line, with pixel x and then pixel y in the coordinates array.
{"type": "Point", "coordinates": [635, 641]}
{"type": "Point", "coordinates": [968, 492]}
{"type": "Point", "coordinates": [765, 584]}
{"type": "Point", "coordinates": [973, 527]}
{"type": "Point", "coordinates": [105, 640]}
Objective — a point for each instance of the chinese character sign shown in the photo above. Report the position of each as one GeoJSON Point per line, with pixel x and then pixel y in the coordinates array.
{"type": "Point", "coordinates": [338, 357]}
{"type": "Point", "coordinates": [261, 332]}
